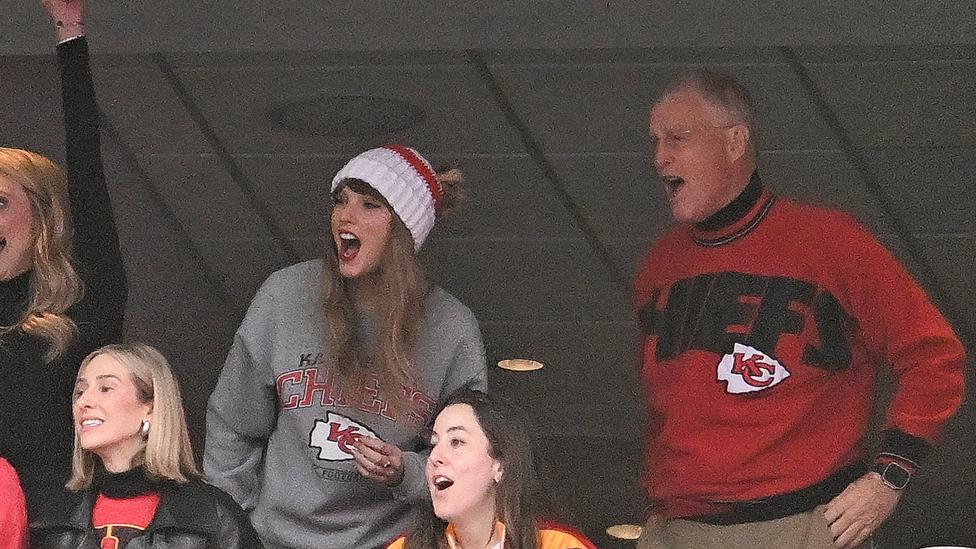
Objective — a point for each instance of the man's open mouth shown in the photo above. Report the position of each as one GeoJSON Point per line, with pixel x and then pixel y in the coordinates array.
{"type": "Point", "coordinates": [672, 184]}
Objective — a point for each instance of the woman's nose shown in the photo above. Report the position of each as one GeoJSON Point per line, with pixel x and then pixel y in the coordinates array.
{"type": "Point", "coordinates": [436, 456]}
{"type": "Point", "coordinates": [82, 401]}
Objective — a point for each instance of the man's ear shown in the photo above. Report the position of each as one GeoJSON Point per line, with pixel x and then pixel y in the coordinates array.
{"type": "Point", "coordinates": [737, 144]}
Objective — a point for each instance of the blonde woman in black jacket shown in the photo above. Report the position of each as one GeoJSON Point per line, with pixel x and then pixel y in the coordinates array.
{"type": "Point", "coordinates": [133, 479]}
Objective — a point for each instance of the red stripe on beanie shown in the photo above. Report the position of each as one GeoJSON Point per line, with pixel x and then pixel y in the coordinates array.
{"type": "Point", "coordinates": [428, 175]}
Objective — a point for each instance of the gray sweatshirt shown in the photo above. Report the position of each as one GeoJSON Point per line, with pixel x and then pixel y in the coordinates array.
{"type": "Point", "coordinates": [278, 424]}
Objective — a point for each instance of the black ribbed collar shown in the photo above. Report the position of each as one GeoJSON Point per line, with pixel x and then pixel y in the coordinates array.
{"type": "Point", "coordinates": [126, 484]}
{"type": "Point", "coordinates": [736, 209]}
{"type": "Point", "coordinates": [736, 219]}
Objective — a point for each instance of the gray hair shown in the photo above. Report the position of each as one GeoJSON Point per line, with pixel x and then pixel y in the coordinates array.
{"type": "Point", "coordinates": [721, 90]}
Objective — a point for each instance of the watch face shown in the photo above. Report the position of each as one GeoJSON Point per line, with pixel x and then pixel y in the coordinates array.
{"type": "Point", "coordinates": [895, 476]}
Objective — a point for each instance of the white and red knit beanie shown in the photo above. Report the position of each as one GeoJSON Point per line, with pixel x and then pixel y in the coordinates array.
{"type": "Point", "coordinates": [405, 179]}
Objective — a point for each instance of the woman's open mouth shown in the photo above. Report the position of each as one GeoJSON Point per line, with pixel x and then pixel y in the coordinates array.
{"type": "Point", "coordinates": [349, 246]}
{"type": "Point", "coordinates": [442, 483]}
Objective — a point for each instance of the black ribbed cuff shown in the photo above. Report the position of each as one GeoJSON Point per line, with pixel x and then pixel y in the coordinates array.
{"type": "Point", "coordinates": [72, 50]}
{"type": "Point", "coordinates": [901, 445]}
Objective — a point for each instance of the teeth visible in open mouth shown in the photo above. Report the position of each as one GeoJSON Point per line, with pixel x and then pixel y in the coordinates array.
{"type": "Point", "coordinates": [348, 245]}
{"type": "Point", "coordinates": [442, 483]}
{"type": "Point", "coordinates": [91, 422]}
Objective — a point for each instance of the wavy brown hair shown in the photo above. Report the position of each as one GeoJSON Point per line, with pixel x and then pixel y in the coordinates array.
{"type": "Point", "coordinates": [403, 285]}
{"type": "Point", "coordinates": [519, 498]}
{"type": "Point", "coordinates": [54, 282]}
{"type": "Point", "coordinates": [400, 279]}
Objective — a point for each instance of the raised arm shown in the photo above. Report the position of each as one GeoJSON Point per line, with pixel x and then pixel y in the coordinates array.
{"type": "Point", "coordinates": [96, 243]}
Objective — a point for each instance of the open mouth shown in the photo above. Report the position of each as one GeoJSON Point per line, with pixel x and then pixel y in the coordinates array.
{"type": "Point", "coordinates": [442, 483]}
{"type": "Point", "coordinates": [93, 422]}
{"type": "Point", "coordinates": [349, 246]}
{"type": "Point", "coordinates": [672, 184]}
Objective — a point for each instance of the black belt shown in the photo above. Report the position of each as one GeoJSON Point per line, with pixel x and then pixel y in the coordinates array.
{"type": "Point", "coordinates": [784, 505]}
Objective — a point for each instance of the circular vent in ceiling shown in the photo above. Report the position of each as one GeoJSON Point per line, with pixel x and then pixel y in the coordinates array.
{"type": "Point", "coordinates": [347, 115]}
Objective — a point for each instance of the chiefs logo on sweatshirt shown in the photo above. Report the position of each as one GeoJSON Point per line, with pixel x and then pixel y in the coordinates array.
{"type": "Point", "coordinates": [334, 436]}
{"type": "Point", "coordinates": [747, 370]}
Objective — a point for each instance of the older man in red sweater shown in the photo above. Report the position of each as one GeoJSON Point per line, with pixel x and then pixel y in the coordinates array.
{"type": "Point", "coordinates": [764, 326]}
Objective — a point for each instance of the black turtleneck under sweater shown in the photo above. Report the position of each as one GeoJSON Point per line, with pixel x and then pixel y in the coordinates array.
{"type": "Point", "coordinates": [36, 431]}
{"type": "Point", "coordinates": [125, 505]}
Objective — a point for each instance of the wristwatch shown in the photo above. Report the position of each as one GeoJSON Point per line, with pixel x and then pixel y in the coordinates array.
{"type": "Point", "coordinates": [893, 475]}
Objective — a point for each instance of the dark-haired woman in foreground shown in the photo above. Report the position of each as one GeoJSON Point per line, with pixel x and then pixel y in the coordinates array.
{"type": "Point", "coordinates": [482, 482]}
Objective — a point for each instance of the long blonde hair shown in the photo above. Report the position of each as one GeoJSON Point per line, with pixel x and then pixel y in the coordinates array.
{"type": "Point", "coordinates": [167, 454]}
{"type": "Point", "coordinates": [54, 282]}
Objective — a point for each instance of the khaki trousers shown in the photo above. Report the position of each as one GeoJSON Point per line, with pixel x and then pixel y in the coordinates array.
{"type": "Point", "coordinates": [807, 530]}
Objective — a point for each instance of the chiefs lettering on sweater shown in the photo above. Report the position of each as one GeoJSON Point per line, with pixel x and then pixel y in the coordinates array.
{"type": "Point", "coordinates": [761, 348]}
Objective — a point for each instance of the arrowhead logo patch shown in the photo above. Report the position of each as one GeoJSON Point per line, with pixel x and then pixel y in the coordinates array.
{"type": "Point", "coordinates": [747, 370]}
{"type": "Point", "coordinates": [334, 435]}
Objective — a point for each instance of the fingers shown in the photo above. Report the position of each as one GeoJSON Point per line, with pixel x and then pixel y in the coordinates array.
{"type": "Point", "coordinates": [857, 512]}
{"type": "Point", "coordinates": [852, 537]}
{"type": "Point", "coordinates": [843, 530]}
{"type": "Point", "coordinates": [378, 461]}
{"type": "Point", "coordinates": [377, 445]}
{"type": "Point", "coordinates": [835, 509]}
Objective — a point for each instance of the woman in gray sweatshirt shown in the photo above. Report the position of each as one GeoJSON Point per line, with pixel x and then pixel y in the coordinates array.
{"type": "Point", "coordinates": [315, 424]}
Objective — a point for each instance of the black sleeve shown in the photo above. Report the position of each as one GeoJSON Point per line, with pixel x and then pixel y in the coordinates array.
{"type": "Point", "coordinates": [236, 531]}
{"type": "Point", "coordinates": [96, 242]}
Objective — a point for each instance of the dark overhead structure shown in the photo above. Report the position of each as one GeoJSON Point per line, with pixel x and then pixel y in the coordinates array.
{"type": "Point", "coordinates": [223, 131]}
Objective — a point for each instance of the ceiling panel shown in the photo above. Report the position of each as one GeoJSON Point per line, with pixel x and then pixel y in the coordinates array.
{"type": "Point", "coordinates": [632, 56]}
{"type": "Point", "coordinates": [932, 191]}
{"type": "Point", "coordinates": [505, 196]}
{"type": "Point", "coordinates": [588, 386]}
{"type": "Point", "coordinates": [823, 177]}
{"type": "Point", "coordinates": [460, 116]}
{"type": "Point", "coordinates": [953, 258]}
{"type": "Point", "coordinates": [145, 109]}
{"type": "Point", "coordinates": [902, 103]}
{"type": "Point", "coordinates": [619, 194]}
{"type": "Point", "coordinates": [585, 108]}
{"type": "Point", "coordinates": [242, 264]}
{"type": "Point", "coordinates": [170, 305]}
{"type": "Point", "coordinates": [30, 105]}
{"type": "Point", "coordinates": [527, 280]}
{"type": "Point", "coordinates": [866, 53]}
{"type": "Point", "coordinates": [204, 197]}
{"type": "Point", "coordinates": [372, 25]}
{"type": "Point", "coordinates": [628, 253]}
{"type": "Point", "coordinates": [313, 59]}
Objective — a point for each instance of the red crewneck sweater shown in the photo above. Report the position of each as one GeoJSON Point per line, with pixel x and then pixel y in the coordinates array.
{"type": "Point", "coordinates": [761, 346]}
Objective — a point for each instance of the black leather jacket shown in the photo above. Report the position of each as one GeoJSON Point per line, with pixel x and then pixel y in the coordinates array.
{"type": "Point", "coordinates": [193, 515]}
